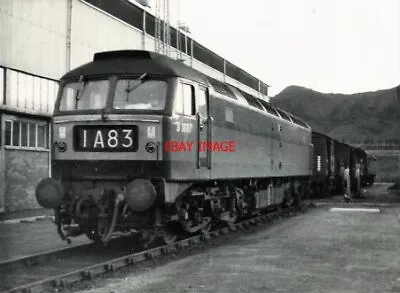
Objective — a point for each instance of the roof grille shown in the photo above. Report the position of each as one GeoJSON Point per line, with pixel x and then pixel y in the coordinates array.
{"type": "Point", "coordinates": [221, 87]}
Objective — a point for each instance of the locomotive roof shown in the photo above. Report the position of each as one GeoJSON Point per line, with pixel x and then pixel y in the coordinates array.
{"type": "Point", "coordinates": [135, 62]}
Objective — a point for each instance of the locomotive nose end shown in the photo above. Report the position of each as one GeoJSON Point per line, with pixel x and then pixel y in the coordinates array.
{"type": "Point", "coordinates": [49, 193]}
{"type": "Point", "coordinates": [140, 195]}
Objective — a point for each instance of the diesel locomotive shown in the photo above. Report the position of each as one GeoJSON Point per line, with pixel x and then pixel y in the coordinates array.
{"type": "Point", "coordinates": [115, 172]}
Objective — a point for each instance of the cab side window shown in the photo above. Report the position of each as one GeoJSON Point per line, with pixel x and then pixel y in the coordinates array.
{"type": "Point", "coordinates": [202, 102]}
{"type": "Point", "coordinates": [184, 102]}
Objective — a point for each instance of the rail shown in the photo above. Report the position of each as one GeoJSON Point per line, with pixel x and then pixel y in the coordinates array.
{"type": "Point", "coordinates": [61, 281]}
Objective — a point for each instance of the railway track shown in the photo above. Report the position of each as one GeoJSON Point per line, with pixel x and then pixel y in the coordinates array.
{"type": "Point", "coordinates": [56, 270]}
{"type": "Point", "coordinates": [34, 269]}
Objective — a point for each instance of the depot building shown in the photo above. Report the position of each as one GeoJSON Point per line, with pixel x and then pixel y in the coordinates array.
{"type": "Point", "coordinates": [41, 41]}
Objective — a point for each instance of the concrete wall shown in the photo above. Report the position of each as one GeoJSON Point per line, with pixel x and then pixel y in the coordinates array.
{"type": "Point", "coordinates": [94, 30]}
{"type": "Point", "coordinates": [24, 160]}
{"type": "Point", "coordinates": [33, 36]}
{"type": "Point", "coordinates": [23, 171]}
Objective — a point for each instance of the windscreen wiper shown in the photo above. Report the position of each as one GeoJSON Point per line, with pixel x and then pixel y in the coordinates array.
{"type": "Point", "coordinates": [78, 90]}
{"type": "Point", "coordinates": [136, 83]}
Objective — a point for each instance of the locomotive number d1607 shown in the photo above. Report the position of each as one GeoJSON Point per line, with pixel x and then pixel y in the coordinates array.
{"type": "Point", "coordinates": [96, 138]}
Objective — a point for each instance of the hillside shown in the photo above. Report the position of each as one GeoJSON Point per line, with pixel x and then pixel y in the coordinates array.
{"type": "Point", "coordinates": [363, 118]}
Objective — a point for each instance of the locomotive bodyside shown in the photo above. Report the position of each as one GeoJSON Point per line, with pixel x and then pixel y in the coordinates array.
{"type": "Point", "coordinates": [265, 145]}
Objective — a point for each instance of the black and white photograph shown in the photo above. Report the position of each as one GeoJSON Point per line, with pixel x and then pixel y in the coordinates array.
{"type": "Point", "coordinates": [198, 146]}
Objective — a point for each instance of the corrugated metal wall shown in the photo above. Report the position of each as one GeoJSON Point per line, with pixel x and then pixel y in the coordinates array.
{"type": "Point", "coordinates": [29, 93]}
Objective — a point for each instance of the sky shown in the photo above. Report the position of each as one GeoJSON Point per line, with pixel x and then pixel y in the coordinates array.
{"type": "Point", "coordinates": [341, 46]}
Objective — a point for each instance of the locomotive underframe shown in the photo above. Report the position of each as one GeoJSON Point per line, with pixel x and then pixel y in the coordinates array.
{"type": "Point", "coordinates": [100, 210]}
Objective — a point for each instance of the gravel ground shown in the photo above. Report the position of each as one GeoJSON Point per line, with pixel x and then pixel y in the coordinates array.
{"type": "Point", "coordinates": [320, 251]}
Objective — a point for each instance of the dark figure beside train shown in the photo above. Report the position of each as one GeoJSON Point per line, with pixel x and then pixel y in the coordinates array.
{"type": "Point", "coordinates": [111, 173]}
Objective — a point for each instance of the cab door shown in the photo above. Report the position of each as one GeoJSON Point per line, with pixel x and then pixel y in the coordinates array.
{"type": "Point", "coordinates": [203, 131]}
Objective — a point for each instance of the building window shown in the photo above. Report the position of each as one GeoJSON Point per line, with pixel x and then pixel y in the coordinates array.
{"type": "Point", "coordinates": [16, 139]}
{"type": "Point", "coordinates": [32, 133]}
{"type": "Point", "coordinates": [26, 134]}
{"type": "Point", "coordinates": [41, 136]}
{"type": "Point", "coordinates": [8, 131]}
